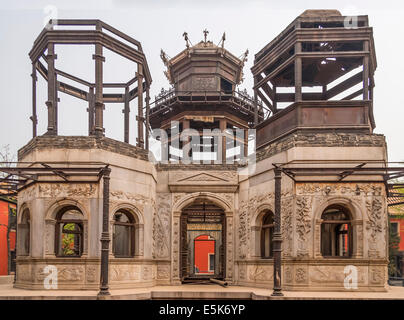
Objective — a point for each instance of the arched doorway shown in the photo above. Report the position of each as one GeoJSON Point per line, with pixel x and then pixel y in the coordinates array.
{"type": "Point", "coordinates": [203, 239]}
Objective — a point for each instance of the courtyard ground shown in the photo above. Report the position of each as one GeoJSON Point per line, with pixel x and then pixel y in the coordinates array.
{"type": "Point", "coordinates": [193, 291]}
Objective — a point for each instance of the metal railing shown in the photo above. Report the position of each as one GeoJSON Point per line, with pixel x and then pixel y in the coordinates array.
{"type": "Point", "coordinates": [166, 98]}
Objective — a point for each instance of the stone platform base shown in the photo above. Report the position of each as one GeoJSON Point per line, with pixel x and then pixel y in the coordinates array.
{"type": "Point", "coordinates": [6, 279]}
{"type": "Point", "coordinates": [200, 292]}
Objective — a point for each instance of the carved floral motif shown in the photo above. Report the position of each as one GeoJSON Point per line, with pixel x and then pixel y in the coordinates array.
{"type": "Point", "coordinates": [374, 224]}
{"type": "Point", "coordinates": [161, 226]}
{"type": "Point", "coordinates": [54, 190]}
{"type": "Point", "coordinates": [303, 224]}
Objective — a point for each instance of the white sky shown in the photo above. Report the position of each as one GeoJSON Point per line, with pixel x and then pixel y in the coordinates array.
{"type": "Point", "coordinates": [160, 24]}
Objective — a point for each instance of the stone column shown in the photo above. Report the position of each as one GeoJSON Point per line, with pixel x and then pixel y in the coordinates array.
{"type": "Point", "coordinates": [277, 237]}
{"type": "Point", "coordinates": [105, 236]}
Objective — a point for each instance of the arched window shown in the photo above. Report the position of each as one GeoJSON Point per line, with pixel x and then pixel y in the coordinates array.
{"type": "Point", "coordinates": [267, 231]}
{"type": "Point", "coordinates": [24, 233]}
{"type": "Point", "coordinates": [336, 232]}
{"type": "Point", "coordinates": [69, 232]}
{"type": "Point", "coordinates": [124, 235]}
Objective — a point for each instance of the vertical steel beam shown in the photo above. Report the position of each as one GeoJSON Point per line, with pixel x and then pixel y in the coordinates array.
{"type": "Point", "coordinates": [51, 102]}
{"type": "Point", "coordinates": [366, 71]}
{"type": "Point", "coordinates": [255, 104]}
{"type": "Point", "coordinates": [99, 103]}
{"type": "Point", "coordinates": [298, 73]}
{"type": "Point", "coordinates": [105, 237]}
{"type": "Point", "coordinates": [186, 146]}
{"type": "Point", "coordinates": [223, 126]}
{"type": "Point", "coordinates": [126, 111]}
{"type": "Point", "coordinates": [147, 115]}
{"type": "Point", "coordinates": [55, 114]}
{"type": "Point", "coordinates": [274, 101]}
{"type": "Point", "coordinates": [277, 237]}
{"type": "Point", "coordinates": [34, 117]}
{"type": "Point", "coordinates": [139, 74]}
{"type": "Point", "coordinates": [91, 111]}
{"type": "Point", "coordinates": [245, 144]}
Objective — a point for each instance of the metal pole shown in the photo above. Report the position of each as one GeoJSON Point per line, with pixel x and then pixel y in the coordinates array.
{"type": "Point", "coordinates": [277, 237]}
{"type": "Point", "coordinates": [105, 238]}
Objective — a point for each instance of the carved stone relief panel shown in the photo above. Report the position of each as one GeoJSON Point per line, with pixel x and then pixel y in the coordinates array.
{"type": "Point", "coordinates": [374, 225]}
{"type": "Point", "coordinates": [303, 225]}
{"type": "Point", "coordinates": [161, 226]}
{"type": "Point", "coordinates": [260, 273]}
{"type": "Point", "coordinates": [287, 224]}
{"type": "Point", "coordinates": [323, 275]}
{"type": "Point", "coordinates": [163, 272]}
{"type": "Point", "coordinates": [124, 272]}
{"type": "Point", "coordinates": [55, 190]}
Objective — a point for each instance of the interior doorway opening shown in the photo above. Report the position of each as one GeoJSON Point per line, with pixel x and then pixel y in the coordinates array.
{"type": "Point", "coordinates": [203, 239]}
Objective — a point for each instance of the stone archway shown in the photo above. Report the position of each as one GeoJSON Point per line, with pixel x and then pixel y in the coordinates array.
{"type": "Point", "coordinates": [220, 202]}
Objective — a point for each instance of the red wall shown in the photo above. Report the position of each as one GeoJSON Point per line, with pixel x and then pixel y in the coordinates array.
{"type": "Point", "coordinates": [202, 250]}
{"type": "Point", "coordinates": [3, 236]}
{"type": "Point", "coordinates": [401, 231]}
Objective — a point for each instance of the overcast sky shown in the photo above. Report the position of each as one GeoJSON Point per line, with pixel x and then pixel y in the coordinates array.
{"type": "Point", "coordinates": [160, 24]}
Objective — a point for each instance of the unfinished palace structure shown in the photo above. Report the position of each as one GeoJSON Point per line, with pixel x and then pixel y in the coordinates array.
{"type": "Point", "coordinates": [292, 214]}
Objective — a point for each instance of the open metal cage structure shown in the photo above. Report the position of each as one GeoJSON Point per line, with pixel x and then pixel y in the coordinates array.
{"type": "Point", "coordinates": [101, 35]}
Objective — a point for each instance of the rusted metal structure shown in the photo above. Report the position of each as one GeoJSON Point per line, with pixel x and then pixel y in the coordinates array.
{"type": "Point", "coordinates": [203, 97]}
{"type": "Point", "coordinates": [317, 50]}
{"type": "Point", "coordinates": [43, 56]}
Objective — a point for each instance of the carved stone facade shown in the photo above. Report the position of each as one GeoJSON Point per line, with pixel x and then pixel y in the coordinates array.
{"type": "Point", "coordinates": [156, 195]}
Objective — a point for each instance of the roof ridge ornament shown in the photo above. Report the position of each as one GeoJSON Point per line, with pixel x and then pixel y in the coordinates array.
{"type": "Point", "coordinates": [187, 41]}
{"type": "Point", "coordinates": [205, 34]}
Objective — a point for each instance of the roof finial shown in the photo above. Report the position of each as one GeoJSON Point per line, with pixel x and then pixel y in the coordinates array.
{"type": "Point", "coordinates": [205, 32]}
{"type": "Point", "coordinates": [243, 57]}
{"type": "Point", "coordinates": [222, 40]}
{"type": "Point", "coordinates": [185, 35]}
{"type": "Point", "coordinates": [164, 57]}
